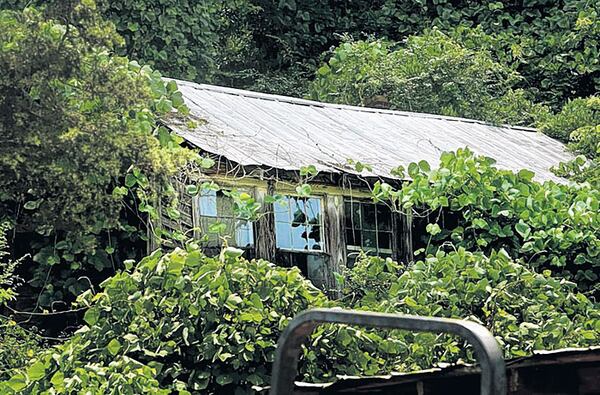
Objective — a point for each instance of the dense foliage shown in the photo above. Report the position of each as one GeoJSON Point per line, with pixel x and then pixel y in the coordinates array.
{"type": "Point", "coordinates": [8, 279]}
{"type": "Point", "coordinates": [186, 322]}
{"type": "Point", "coordinates": [551, 226]}
{"type": "Point", "coordinates": [182, 321]}
{"type": "Point", "coordinates": [578, 123]}
{"type": "Point", "coordinates": [85, 163]}
{"type": "Point", "coordinates": [18, 345]}
{"type": "Point", "coordinates": [553, 44]}
{"type": "Point", "coordinates": [273, 45]}
{"type": "Point", "coordinates": [431, 73]}
{"type": "Point", "coordinates": [78, 127]}
{"type": "Point", "coordinates": [525, 311]}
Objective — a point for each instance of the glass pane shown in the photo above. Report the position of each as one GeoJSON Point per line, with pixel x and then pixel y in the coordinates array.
{"type": "Point", "coordinates": [213, 238]}
{"type": "Point", "coordinates": [299, 217]}
{"type": "Point", "coordinates": [348, 214]}
{"type": "Point", "coordinates": [353, 215]}
{"type": "Point", "coordinates": [313, 210]}
{"type": "Point", "coordinates": [244, 236]}
{"type": "Point", "coordinates": [282, 210]}
{"type": "Point", "coordinates": [316, 266]}
{"type": "Point", "coordinates": [368, 217]}
{"type": "Point", "coordinates": [224, 205]}
{"type": "Point", "coordinates": [299, 238]}
{"type": "Point", "coordinates": [314, 233]}
{"type": "Point", "coordinates": [283, 234]}
{"type": "Point", "coordinates": [384, 217]}
{"type": "Point", "coordinates": [384, 240]}
{"type": "Point", "coordinates": [299, 260]}
{"type": "Point", "coordinates": [369, 240]}
{"type": "Point", "coordinates": [314, 237]}
{"type": "Point", "coordinates": [208, 203]}
{"type": "Point", "coordinates": [353, 237]}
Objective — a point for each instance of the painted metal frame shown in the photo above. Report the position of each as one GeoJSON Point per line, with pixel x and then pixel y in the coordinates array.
{"type": "Point", "coordinates": [487, 352]}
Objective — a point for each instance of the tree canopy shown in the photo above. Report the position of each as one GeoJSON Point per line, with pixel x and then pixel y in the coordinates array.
{"type": "Point", "coordinates": [431, 73]}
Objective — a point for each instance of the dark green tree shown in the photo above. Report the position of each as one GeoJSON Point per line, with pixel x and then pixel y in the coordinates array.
{"type": "Point", "coordinates": [79, 139]}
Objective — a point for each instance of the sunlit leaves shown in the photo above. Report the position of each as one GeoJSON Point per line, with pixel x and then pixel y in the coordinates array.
{"type": "Point", "coordinates": [226, 313]}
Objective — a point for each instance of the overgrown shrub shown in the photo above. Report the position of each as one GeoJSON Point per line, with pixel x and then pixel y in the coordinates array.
{"type": "Point", "coordinates": [80, 143]}
{"type": "Point", "coordinates": [550, 226]}
{"type": "Point", "coordinates": [18, 346]}
{"type": "Point", "coordinates": [186, 322]}
{"type": "Point", "coordinates": [182, 321]}
{"type": "Point", "coordinates": [431, 73]}
{"type": "Point", "coordinates": [524, 310]}
{"type": "Point", "coordinates": [578, 123]}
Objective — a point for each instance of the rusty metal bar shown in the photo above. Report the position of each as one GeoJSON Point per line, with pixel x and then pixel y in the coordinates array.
{"type": "Point", "coordinates": [487, 352]}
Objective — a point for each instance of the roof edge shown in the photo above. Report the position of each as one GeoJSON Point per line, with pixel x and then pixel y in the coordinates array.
{"type": "Point", "coordinates": [305, 102]}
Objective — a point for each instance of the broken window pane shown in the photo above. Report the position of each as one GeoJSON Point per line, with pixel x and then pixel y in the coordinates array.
{"type": "Point", "coordinates": [298, 222]}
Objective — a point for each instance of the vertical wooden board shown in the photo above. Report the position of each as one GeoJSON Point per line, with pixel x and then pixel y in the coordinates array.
{"type": "Point", "coordinates": [397, 232]}
{"type": "Point", "coordinates": [406, 242]}
{"type": "Point", "coordinates": [264, 227]}
{"type": "Point", "coordinates": [335, 238]}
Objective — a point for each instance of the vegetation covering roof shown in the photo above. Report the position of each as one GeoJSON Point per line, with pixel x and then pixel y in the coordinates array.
{"type": "Point", "coordinates": [286, 133]}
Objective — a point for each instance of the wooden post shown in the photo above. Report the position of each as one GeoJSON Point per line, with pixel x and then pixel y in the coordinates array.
{"type": "Point", "coordinates": [406, 242]}
{"type": "Point", "coordinates": [264, 227]}
{"type": "Point", "coordinates": [335, 238]}
{"type": "Point", "coordinates": [397, 237]}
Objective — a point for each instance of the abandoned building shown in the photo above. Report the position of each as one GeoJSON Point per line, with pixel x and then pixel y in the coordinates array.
{"type": "Point", "coordinates": [260, 143]}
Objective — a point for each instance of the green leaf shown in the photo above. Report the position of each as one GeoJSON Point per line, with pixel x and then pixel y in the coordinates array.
{"type": "Point", "coordinates": [32, 204]}
{"type": "Point", "coordinates": [36, 371]}
{"type": "Point", "coordinates": [433, 229]}
{"type": "Point", "coordinates": [206, 163]}
{"type": "Point", "coordinates": [523, 229]}
{"type": "Point", "coordinates": [91, 316]}
{"type": "Point", "coordinates": [526, 174]}
{"type": "Point", "coordinates": [304, 190]}
{"type": "Point", "coordinates": [113, 347]}
{"type": "Point", "coordinates": [17, 382]}
{"type": "Point", "coordinates": [58, 380]}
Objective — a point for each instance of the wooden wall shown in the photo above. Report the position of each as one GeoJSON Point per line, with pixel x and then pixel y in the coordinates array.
{"type": "Point", "coordinates": [333, 221]}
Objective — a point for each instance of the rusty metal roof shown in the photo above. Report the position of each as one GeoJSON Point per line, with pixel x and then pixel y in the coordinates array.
{"type": "Point", "coordinates": [286, 133]}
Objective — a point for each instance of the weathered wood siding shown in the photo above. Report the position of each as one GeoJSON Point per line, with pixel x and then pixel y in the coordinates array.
{"type": "Point", "coordinates": [264, 227]}
{"type": "Point", "coordinates": [335, 237]}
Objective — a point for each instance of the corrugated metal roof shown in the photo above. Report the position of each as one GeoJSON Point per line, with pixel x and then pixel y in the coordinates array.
{"type": "Point", "coordinates": [540, 358]}
{"type": "Point", "coordinates": [280, 132]}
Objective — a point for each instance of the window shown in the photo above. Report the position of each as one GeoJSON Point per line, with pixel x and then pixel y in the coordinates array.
{"type": "Point", "coordinates": [217, 218]}
{"type": "Point", "coordinates": [368, 228]}
{"type": "Point", "coordinates": [298, 224]}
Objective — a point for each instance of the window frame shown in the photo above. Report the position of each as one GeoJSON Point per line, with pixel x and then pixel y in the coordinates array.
{"type": "Point", "coordinates": [377, 251]}
{"type": "Point", "coordinates": [322, 242]}
{"type": "Point", "coordinates": [199, 216]}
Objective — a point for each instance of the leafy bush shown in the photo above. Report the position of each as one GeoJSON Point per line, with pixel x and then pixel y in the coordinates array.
{"type": "Point", "coordinates": [19, 347]}
{"type": "Point", "coordinates": [182, 321]}
{"type": "Point", "coordinates": [431, 73]}
{"type": "Point", "coordinates": [549, 226]}
{"type": "Point", "coordinates": [8, 279]}
{"type": "Point", "coordinates": [578, 123]}
{"type": "Point", "coordinates": [525, 311]}
{"type": "Point", "coordinates": [576, 114]}
{"type": "Point", "coordinates": [186, 322]}
{"type": "Point", "coordinates": [81, 142]}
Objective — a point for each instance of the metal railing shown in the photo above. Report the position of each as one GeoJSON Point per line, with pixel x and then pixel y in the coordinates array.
{"type": "Point", "coordinates": [285, 366]}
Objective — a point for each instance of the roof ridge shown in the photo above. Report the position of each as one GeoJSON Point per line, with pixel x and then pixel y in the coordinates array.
{"type": "Point", "coordinates": [305, 102]}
